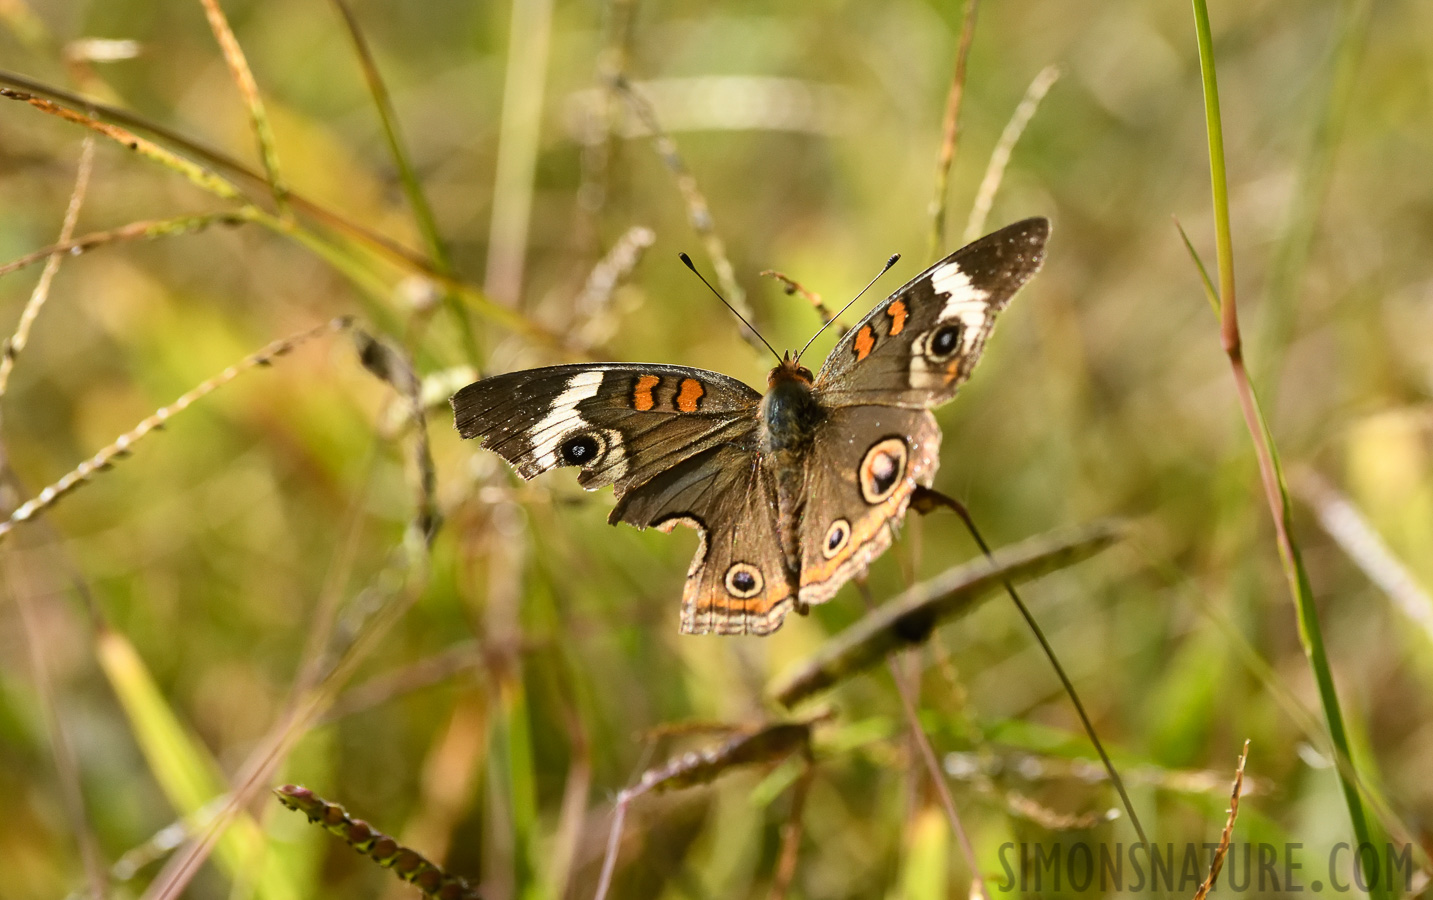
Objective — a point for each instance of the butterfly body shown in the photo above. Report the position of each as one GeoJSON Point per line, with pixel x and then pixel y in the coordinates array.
{"type": "Point", "coordinates": [794, 492]}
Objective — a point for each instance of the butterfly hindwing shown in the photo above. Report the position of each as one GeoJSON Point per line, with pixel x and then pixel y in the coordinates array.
{"type": "Point", "coordinates": [738, 582]}
{"type": "Point", "coordinates": [622, 424]}
{"type": "Point", "coordinates": [917, 347]}
{"type": "Point", "coordinates": [865, 464]}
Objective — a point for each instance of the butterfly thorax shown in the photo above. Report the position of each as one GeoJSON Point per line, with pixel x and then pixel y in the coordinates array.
{"type": "Point", "coordinates": [789, 411]}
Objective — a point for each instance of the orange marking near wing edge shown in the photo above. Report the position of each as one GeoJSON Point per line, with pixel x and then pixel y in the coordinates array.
{"type": "Point", "coordinates": [862, 546]}
{"type": "Point", "coordinates": [865, 342]}
{"type": "Point", "coordinates": [642, 394]}
{"type": "Point", "coordinates": [898, 312]}
{"type": "Point", "coordinates": [690, 395]}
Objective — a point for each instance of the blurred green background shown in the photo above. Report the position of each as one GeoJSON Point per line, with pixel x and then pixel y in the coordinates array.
{"type": "Point", "coordinates": [492, 724]}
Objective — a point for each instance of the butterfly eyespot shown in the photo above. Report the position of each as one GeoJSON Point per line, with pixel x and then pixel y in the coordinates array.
{"type": "Point", "coordinates": [882, 469]}
{"type": "Point", "coordinates": [944, 341]}
{"type": "Point", "coordinates": [743, 580]}
{"type": "Point", "coordinates": [837, 537]}
{"type": "Point", "coordinates": [582, 449]}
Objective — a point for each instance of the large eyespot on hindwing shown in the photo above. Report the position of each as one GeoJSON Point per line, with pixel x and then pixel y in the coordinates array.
{"type": "Point", "coordinates": [837, 537]}
{"type": "Point", "coordinates": [743, 580]}
{"type": "Point", "coordinates": [882, 469]}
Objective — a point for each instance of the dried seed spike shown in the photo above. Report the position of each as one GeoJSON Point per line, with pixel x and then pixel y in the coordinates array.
{"type": "Point", "coordinates": [1218, 862]}
{"type": "Point", "coordinates": [40, 295]}
{"type": "Point", "coordinates": [148, 229]}
{"type": "Point", "coordinates": [792, 287]}
{"type": "Point", "coordinates": [760, 744]}
{"type": "Point", "coordinates": [155, 422]}
{"type": "Point", "coordinates": [767, 743]}
{"type": "Point", "coordinates": [406, 863]}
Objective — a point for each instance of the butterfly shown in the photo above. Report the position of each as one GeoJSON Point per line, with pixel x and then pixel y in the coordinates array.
{"type": "Point", "coordinates": [791, 493]}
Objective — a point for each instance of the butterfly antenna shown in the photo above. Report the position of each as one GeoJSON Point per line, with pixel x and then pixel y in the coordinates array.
{"type": "Point", "coordinates": [890, 262]}
{"type": "Point", "coordinates": [688, 260]}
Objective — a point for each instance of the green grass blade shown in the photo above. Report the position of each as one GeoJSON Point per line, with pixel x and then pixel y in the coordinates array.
{"type": "Point", "coordinates": [186, 773]}
{"type": "Point", "coordinates": [1271, 471]}
{"type": "Point", "coordinates": [408, 177]}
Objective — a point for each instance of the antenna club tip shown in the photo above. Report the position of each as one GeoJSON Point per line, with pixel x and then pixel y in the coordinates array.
{"type": "Point", "coordinates": [895, 257]}
{"type": "Point", "coordinates": [686, 260]}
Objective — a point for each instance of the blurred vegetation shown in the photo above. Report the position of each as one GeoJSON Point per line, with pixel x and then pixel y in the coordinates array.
{"type": "Point", "coordinates": [165, 624]}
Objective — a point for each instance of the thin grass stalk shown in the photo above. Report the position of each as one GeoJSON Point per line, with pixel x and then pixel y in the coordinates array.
{"type": "Point", "coordinates": [408, 177]}
{"type": "Point", "coordinates": [567, 835]}
{"type": "Point", "coordinates": [22, 88]}
{"type": "Point", "coordinates": [1217, 863]}
{"type": "Point", "coordinates": [937, 777]}
{"type": "Point", "coordinates": [1276, 494]}
{"type": "Point", "coordinates": [518, 134]}
{"type": "Point", "coordinates": [1000, 156]}
{"type": "Point", "coordinates": [791, 832]}
{"type": "Point", "coordinates": [327, 249]}
{"type": "Point", "coordinates": [950, 132]}
{"type": "Point", "coordinates": [699, 214]}
{"type": "Point", "coordinates": [124, 444]}
{"type": "Point", "coordinates": [193, 172]}
{"type": "Point", "coordinates": [249, 89]}
{"type": "Point", "coordinates": [16, 343]}
{"type": "Point", "coordinates": [1065, 682]}
{"type": "Point", "coordinates": [907, 684]}
{"type": "Point", "coordinates": [147, 229]}
{"type": "Point", "coordinates": [67, 766]}
{"type": "Point", "coordinates": [614, 844]}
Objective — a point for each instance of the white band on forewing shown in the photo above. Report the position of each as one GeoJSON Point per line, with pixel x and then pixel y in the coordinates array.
{"type": "Point", "coordinates": [581, 386]}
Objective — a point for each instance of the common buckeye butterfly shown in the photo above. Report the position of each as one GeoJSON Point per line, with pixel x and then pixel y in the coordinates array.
{"type": "Point", "coordinates": [792, 493]}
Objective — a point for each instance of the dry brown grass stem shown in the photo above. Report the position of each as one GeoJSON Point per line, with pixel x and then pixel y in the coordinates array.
{"type": "Point", "coordinates": [146, 148]}
{"type": "Point", "coordinates": [699, 213]}
{"type": "Point", "coordinates": [1217, 863]}
{"type": "Point", "coordinates": [124, 444]}
{"type": "Point", "coordinates": [1000, 156]}
{"type": "Point", "coordinates": [52, 256]}
{"type": "Point", "coordinates": [950, 131]}
{"type": "Point", "coordinates": [143, 230]}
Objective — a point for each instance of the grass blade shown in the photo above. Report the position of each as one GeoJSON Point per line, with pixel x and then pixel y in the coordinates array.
{"type": "Point", "coordinates": [1270, 471]}
{"type": "Point", "coordinates": [408, 177]}
{"type": "Point", "coordinates": [188, 775]}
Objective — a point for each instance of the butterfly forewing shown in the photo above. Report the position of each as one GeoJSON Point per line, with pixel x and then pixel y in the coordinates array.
{"type": "Point", "coordinates": [918, 346]}
{"type": "Point", "coordinates": [622, 424]}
